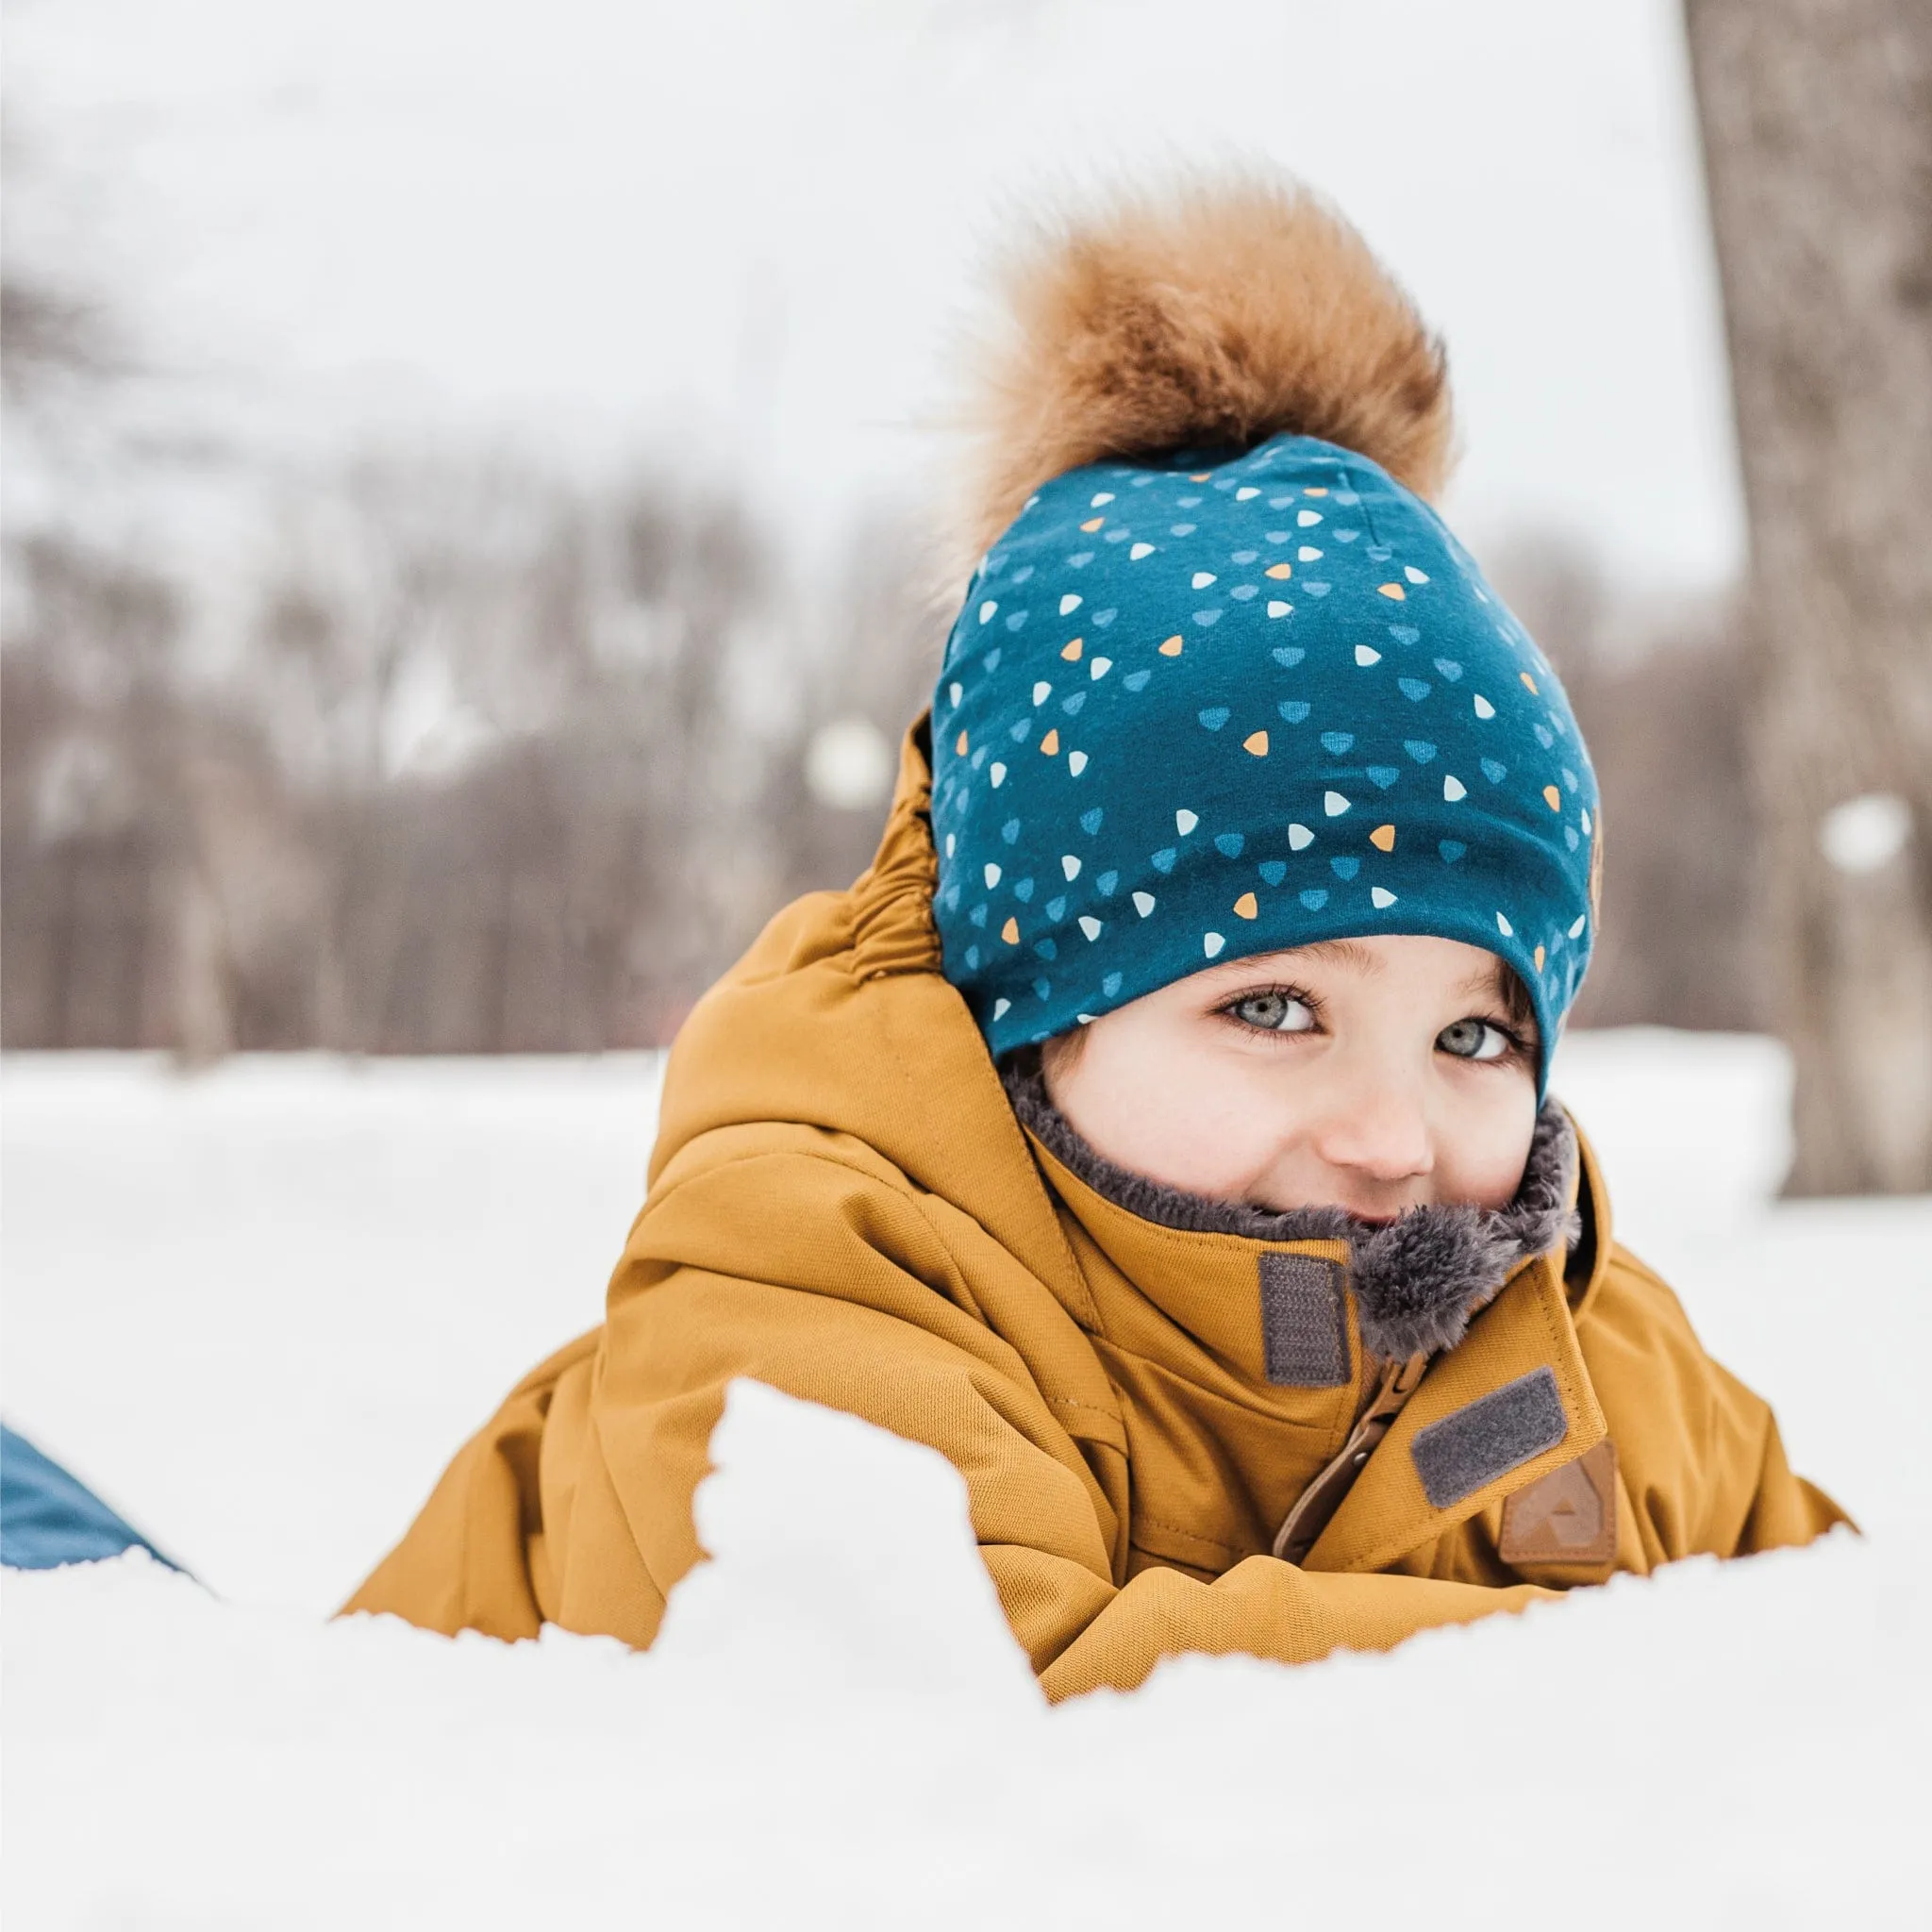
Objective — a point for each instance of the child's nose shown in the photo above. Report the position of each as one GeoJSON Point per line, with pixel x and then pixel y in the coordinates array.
{"type": "Point", "coordinates": [1379, 1131]}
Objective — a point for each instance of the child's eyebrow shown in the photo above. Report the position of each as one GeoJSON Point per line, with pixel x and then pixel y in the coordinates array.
{"type": "Point", "coordinates": [1489, 979]}
{"type": "Point", "coordinates": [1501, 984]}
{"type": "Point", "coordinates": [1344, 953]}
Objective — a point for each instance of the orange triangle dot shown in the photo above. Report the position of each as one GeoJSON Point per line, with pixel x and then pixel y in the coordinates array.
{"type": "Point", "coordinates": [1255, 741]}
{"type": "Point", "coordinates": [1072, 652]}
{"type": "Point", "coordinates": [1050, 743]}
{"type": "Point", "coordinates": [1010, 932]}
{"type": "Point", "coordinates": [1538, 959]}
{"type": "Point", "coordinates": [1280, 570]}
{"type": "Point", "coordinates": [1314, 492]}
{"type": "Point", "coordinates": [1092, 523]}
{"type": "Point", "coordinates": [1205, 476]}
{"type": "Point", "coordinates": [1553, 799]}
{"type": "Point", "coordinates": [1383, 838]}
{"type": "Point", "coordinates": [1531, 682]}
{"type": "Point", "coordinates": [1244, 908]}
{"type": "Point", "coordinates": [960, 745]}
{"type": "Point", "coordinates": [1395, 590]}
{"type": "Point", "coordinates": [1172, 648]}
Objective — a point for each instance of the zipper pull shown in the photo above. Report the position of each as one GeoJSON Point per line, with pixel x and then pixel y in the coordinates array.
{"type": "Point", "coordinates": [1316, 1506]}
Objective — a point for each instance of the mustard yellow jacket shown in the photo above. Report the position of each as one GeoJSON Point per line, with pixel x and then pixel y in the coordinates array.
{"type": "Point", "coordinates": [843, 1204]}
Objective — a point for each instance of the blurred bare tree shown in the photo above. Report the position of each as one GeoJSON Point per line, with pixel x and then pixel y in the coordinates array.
{"type": "Point", "coordinates": [492, 761]}
{"type": "Point", "coordinates": [1657, 696]}
{"type": "Point", "coordinates": [1817, 120]}
{"type": "Point", "coordinates": [496, 764]}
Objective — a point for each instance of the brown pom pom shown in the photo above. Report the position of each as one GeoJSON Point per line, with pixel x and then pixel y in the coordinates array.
{"type": "Point", "coordinates": [1220, 313]}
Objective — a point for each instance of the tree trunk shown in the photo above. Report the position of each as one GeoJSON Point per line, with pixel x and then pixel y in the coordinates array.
{"type": "Point", "coordinates": [1817, 124]}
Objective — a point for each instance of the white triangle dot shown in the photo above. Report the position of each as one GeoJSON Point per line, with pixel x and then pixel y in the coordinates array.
{"type": "Point", "coordinates": [1453, 788]}
{"type": "Point", "coordinates": [1077, 762]}
{"type": "Point", "coordinates": [1089, 926]}
{"type": "Point", "coordinates": [1070, 865]}
{"type": "Point", "coordinates": [1144, 902]}
{"type": "Point", "coordinates": [1334, 804]}
{"type": "Point", "coordinates": [1381, 897]}
{"type": "Point", "coordinates": [1212, 943]}
{"type": "Point", "coordinates": [1365, 656]}
{"type": "Point", "coordinates": [1299, 837]}
{"type": "Point", "coordinates": [1185, 821]}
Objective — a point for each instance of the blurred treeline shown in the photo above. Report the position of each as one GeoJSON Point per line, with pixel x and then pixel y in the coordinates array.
{"type": "Point", "coordinates": [446, 752]}
{"type": "Point", "coordinates": [467, 759]}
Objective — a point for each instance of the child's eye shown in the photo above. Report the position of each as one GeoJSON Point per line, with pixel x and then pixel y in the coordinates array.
{"type": "Point", "coordinates": [1474, 1040]}
{"type": "Point", "coordinates": [1274, 1012]}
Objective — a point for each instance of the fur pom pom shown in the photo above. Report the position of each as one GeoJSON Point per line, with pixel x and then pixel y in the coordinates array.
{"type": "Point", "coordinates": [1217, 314]}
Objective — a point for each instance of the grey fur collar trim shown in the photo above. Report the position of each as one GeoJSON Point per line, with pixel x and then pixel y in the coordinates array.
{"type": "Point", "coordinates": [1417, 1281]}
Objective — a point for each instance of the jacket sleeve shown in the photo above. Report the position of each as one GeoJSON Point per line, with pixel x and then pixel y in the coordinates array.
{"type": "Point", "coordinates": [1702, 1461]}
{"type": "Point", "coordinates": [869, 1311]}
{"type": "Point", "coordinates": [1785, 1509]}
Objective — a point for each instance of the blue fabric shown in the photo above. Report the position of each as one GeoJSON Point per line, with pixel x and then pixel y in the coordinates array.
{"type": "Point", "coordinates": [1197, 708]}
{"type": "Point", "coordinates": [47, 1518]}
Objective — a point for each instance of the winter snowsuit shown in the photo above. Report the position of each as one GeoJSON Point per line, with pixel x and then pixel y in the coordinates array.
{"type": "Point", "coordinates": [844, 1204]}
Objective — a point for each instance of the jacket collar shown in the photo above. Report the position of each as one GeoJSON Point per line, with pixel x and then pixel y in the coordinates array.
{"type": "Point", "coordinates": [1417, 1282]}
{"type": "Point", "coordinates": [1506, 1397]}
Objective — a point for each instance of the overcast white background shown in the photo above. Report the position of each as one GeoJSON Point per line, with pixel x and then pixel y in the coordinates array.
{"type": "Point", "coordinates": [739, 234]}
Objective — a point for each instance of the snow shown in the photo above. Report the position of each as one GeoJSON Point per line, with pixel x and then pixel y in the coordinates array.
{"type": "Point", "coordinates": [258, 1308]}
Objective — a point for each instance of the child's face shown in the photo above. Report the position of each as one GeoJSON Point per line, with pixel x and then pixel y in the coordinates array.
{"type": "Point", "coordinates": [1374, 1075]}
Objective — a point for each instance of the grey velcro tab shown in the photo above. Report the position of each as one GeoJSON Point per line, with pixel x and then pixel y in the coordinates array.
{"type": "Point", "coordinates": [1304, 1321]}
{"type": "Point", "coordinates": [1456, 1456]}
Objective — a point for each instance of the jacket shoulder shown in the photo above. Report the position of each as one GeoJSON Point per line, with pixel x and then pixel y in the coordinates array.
{"type": "Point", "coordinates": [1632, 1293]}
{"type": "Point", "coordinates": [1698, 1450]}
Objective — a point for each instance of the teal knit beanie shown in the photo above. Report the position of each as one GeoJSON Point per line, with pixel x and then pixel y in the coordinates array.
{"type": "Point", "coordinates": [1206, 704]}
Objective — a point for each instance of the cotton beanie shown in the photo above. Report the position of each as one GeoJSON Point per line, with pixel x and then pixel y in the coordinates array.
{"type": "Point", "coordinates": [1208, 702]}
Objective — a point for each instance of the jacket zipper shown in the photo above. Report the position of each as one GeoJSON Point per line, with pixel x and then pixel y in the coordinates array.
{"type": "Point", "coordinates": [1316, 1506]}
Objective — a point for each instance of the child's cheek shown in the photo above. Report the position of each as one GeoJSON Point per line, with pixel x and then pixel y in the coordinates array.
{"type": "Point", "coordinates": [1488, 1151]}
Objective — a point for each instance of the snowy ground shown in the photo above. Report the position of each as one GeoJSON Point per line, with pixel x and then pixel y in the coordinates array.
{"type": "Point", "coordinates": [258, 1308]}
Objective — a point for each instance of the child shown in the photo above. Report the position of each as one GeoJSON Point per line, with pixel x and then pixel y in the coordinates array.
{"type": "Point", "coordinates": [1158, 1127]}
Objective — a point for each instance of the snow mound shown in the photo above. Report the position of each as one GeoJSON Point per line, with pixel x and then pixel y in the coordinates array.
{"type": "Point", "coordinates": [836, 1728]}
{"type": "Point", "coordinates": [257, 1309]}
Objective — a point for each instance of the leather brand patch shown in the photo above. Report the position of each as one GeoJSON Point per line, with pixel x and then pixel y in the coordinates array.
{"type": "Point", "coordinates": [1569, 1516]}
{"type": "Point", "coordinates": [1496, 1433]}
{"type": "Point", "coordinates": [1304, 1321]}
